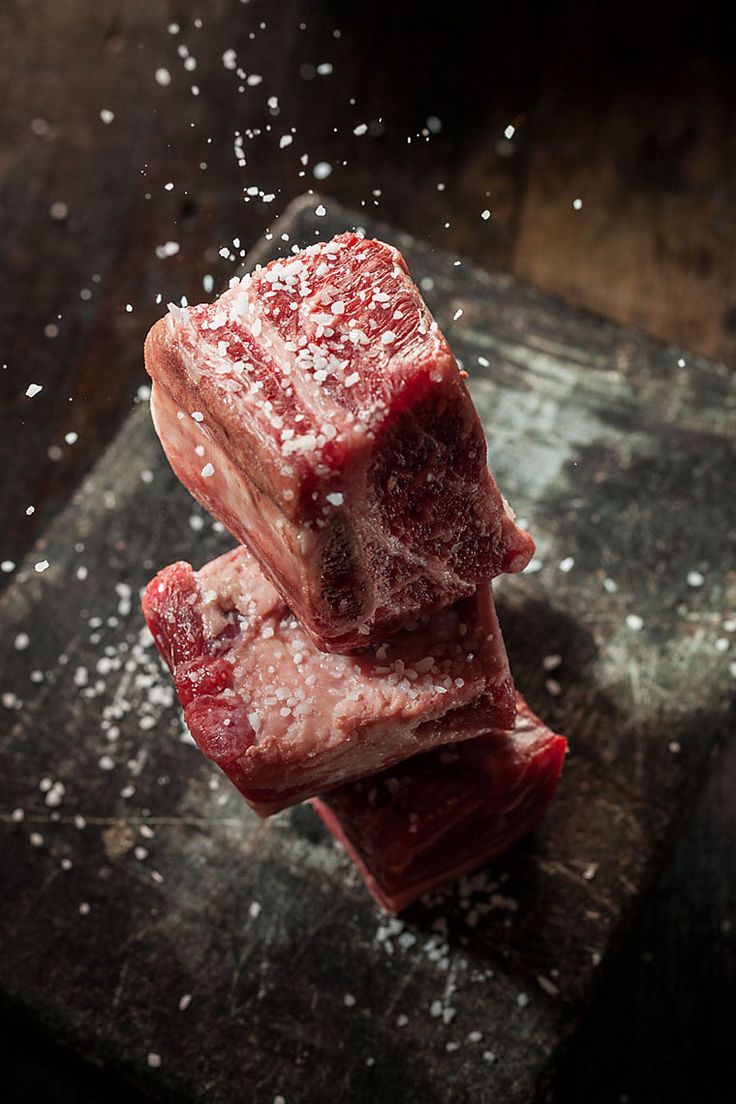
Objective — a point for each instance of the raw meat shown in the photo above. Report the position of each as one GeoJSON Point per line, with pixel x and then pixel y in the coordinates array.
{"type": "Point", "coordinates": [442, 814]}
{"type": "Point", "coordinates": [286, 721]}
{"type": "Point", "coordinates": [316, 410]}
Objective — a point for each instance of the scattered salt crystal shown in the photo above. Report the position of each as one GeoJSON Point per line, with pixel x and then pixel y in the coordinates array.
{"type": "Point", "coordinates": [17, 816]}
{"type": "Point", "coordinates": [107, 116]}
{"type": "Point", "coordinates": [388, 337]}
{"type": "Point", "coordinates": [485, 214]}
{"type": "Point", "coordinates": [320, 211]}
{"type": "Point", "coordinates": [106, 763]}
{"type": "Point", "coordinates": [207, 471]}
{"type": "Point", "coordinates": [71, 438]}
{"type": "Point", "coordinates": [522, 1000]}
{"type": "Point", "coordinates": [322, 170]}
{"type": "Point", "coordinates": [634, 621]}
{"type": "Point", "coordinates": [567, 564]}
{"type": "Point", "coordinates": [577, 204]}
{"type": "Point", "coordinates": [41, 566]}
{"type": "Point", "coordinates": [84, 909]}
{"type": "Point", "coordinates": [695, 579]}
{"type": "Point", "coordinates": [590, 871]}
{"type": "Point", "coordinates": [36, 839]}
{"type": "Point", "coordinates": [458, 314]}
{"type": "Point", "coordinates": [55, 796]}
{"type": "Point", "coordinates": [552, 687]}
{"type": "Point", "coordinates": [402, 1020]}
{"type": "Point", "coordinates": [489, 1056]}
{"type": "Point", "coordinates": [285, 140]}
{"type": "Point", "coordinates": [154, 1060]}
{"type": "Point", "coordinates": [7, 566]}
{"type": "Point", "coordinates": [674, 747]}
{"type": "Point", "coordinates": [610, 586]}
{"type": "Point", "coordinates": [533, 566]}
{"type": "Point", "coordinates": [349, 1000]}
{"type": "Point", "coordinates": [168, 249]}
{"type": "Point", "coordinates": [254, 909]}
{"type": "Point", "coordinates": [185, 1001]}
{"type": "Point", "coordinates": [551, 662]}
{"type": "Point", "coordinates": [33, 389]}
{"type": "Point", "coordinates": [335, 498]}
{"type": "Point", "coordinates": [66, 864]}
{"type": "Point", "coordinates": [324, 68]}
{"type": "Point", "coordinates": [338, 307]}
{"type": "Point", "coordinates": [722, 644]}
{"type": "Point", "coordinates": [360, 130]}
{"type": "Point", "coordinates": [163, 77]}
{"type": "Point", "coordinates": [21, 642]}
{"type": "Point", "coordinates": [58, 211]}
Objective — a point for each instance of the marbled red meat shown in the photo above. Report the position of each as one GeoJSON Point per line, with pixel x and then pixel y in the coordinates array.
{"type": "Point", "coordinates": [286, 721]}
{"type": "Point", "coordinates": [316, 410]}
{"type": "Point", "coordinates": [442, 814]}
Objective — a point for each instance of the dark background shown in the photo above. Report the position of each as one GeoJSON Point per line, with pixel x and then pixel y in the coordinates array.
{"type": "Point", "coordinates": [631, 109]}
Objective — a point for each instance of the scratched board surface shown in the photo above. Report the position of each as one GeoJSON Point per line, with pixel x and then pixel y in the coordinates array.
{"type": "Point", "coordinates": [151, 922]}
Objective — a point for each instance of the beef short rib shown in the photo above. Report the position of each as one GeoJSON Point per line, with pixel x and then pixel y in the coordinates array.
{"type": "Point", "coordinates": [316, 409]}
{"type": "Point", "coordinates": [442, 814]}
{"type": "Point", "coordinates": [286, 721]}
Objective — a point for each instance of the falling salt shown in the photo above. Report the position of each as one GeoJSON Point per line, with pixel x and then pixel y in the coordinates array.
{"type": "Point", "coordinates": [485, 215]}
{"type": "Point", "coordinates": [107, 116]}
{"type": "Point", "coordinates": [322, 170]}
{"type": "Point", "coordinates": [695, 579]}
{"type": "Point", "coordinates": [33, 389]}
{"type": "Point", "coordinates": [567, 564]}
{"type": "Point", "coordinates": [163, 77]}
{"type": "Point", "coordinates": [360, 130]}
{"type": "Point", "coordinates": [577, 204]}
{"type": "Point", "coordinates": [154, 1060]}
{"type": "Point", "coordinates": [21, 642]}
{"type": "Point", "coordinates": [207, 471]}
{"type": "Point", "coordinates": [185, 1001]}
{"type": "Point", "coordinates": [41, 566]}
{"type": "Point", "coordinates": [634, 621]}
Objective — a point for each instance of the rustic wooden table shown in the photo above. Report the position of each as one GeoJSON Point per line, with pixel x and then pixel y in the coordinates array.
{"type": "Point", "coordinates": [107, 155]}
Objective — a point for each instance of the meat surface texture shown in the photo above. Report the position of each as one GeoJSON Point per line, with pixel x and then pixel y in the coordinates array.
{"type": "Point", "coordinates": [442, 814]}
{"type": "Point", "coordinates": [316, 409]}
{"type": "Point", "coordinates": [286, 721]}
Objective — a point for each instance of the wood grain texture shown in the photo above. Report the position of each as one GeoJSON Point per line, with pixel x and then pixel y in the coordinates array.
{"type": "Point", "coordinates": [591, 429]}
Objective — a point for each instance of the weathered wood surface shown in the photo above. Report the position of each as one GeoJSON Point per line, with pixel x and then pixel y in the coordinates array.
{"type": "Point", "coordinates": [622, 461]}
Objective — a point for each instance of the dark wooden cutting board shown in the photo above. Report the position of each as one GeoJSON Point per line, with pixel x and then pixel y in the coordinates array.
{"type": "Point", "coordinates": [212, 957]}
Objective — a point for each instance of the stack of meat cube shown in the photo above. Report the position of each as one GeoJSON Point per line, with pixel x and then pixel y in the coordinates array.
{"type": "Point", "coordinates": [348, 650]}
